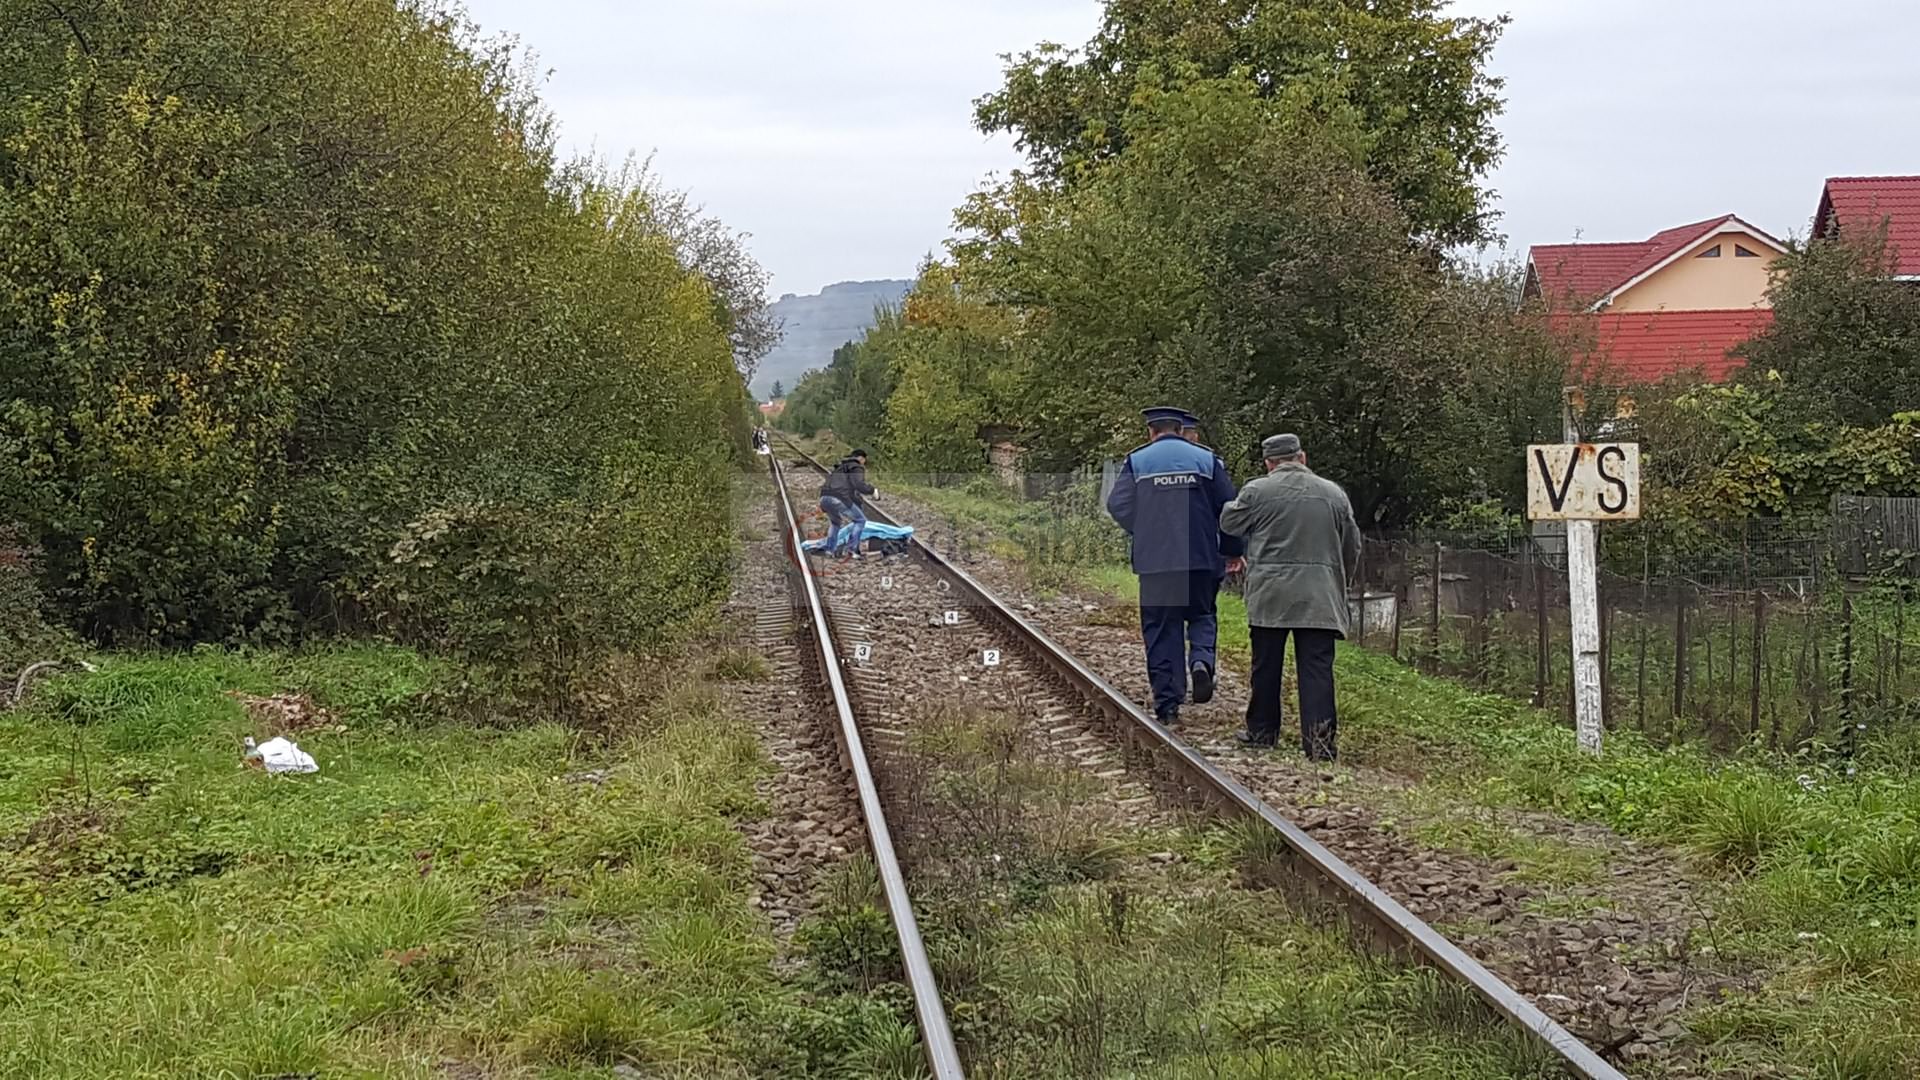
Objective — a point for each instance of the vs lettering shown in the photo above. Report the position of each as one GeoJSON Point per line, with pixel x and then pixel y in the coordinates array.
{"type": "Point", "coordinates": [1613, 497]}
{"type": "Point", "coordinates": [1556, 495]}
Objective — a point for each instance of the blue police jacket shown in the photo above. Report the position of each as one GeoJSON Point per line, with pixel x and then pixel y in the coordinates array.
{"type": "Point", "coordinates": [1168, 497]}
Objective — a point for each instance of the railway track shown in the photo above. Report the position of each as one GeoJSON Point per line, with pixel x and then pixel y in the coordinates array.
{"type": "Point", "coordinates": [1121, 743]}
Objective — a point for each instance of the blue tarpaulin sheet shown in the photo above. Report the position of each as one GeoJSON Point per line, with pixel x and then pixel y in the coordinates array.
{"type": "Point", "coordinates": [874, 531]}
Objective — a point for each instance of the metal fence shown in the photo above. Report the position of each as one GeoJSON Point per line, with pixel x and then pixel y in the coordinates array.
{"type": "Point", "coordinates": [1780, 650]}
{"type": "Point", "coordinates": [1780, 632]}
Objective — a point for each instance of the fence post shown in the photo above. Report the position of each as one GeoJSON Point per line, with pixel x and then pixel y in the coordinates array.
{"type": "Point", "coordinates": [1816, 626]}
{"type": "Point", "coordinates": [1879, 666]}
{"type": "Point", "coordinates": [1485, 660]}
{"type": "Point", "coordinates": [1899, 632]}
{"type": "Point", "coordinates": [1605, 601]}
{"type": "Point", "coordinates": [1360, 577]}
{"type": "Point", "coordinates": [1846, 669]}
{"type": "Point", "coordinates": [1543, 642]}
{"type": "Point", "coordinates": [1400, 590]}
{"type": "Point", "coordinates": [1680, 654]}
{"type": "Point", "coordinates": [1433, 626]}
{"type": "Point", "coordinates": [1753, 669]}
{"type": "Point", "coordinates": [1640, 678]}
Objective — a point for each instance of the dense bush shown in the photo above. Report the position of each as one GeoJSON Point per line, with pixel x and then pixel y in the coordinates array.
{"type": "Point", "coordinates": [25, 636]}
{"type": "Point", "coordinates": [301, 318]}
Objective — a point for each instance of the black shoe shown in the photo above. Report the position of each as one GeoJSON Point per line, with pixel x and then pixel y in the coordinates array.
{"type": "Point", "coordinates": [1255, 742]}
{"type": "Point", "coordinates": [1202, 683]}
{"type": "Point", "coordinates": [1168, 717]}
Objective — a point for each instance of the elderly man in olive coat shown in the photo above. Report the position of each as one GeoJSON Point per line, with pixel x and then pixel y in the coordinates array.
{"type": "Point", "coordinates": [1303, 547]}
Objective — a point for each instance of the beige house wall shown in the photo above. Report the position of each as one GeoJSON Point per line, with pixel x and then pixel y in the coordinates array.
{"type": "Point", "coordinates": [1690, 283]}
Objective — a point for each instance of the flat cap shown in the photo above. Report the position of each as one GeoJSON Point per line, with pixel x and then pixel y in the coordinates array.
{"type": "Point", "coordinates": [1279, 446]}
{"type": "Point", "coordinates": [1160, 413]}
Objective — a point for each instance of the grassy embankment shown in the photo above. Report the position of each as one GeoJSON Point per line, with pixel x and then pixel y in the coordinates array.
{"type": "Point", "coordinates": [1821, 869]}
{"type": "Point", "coordinates": [441, 899]}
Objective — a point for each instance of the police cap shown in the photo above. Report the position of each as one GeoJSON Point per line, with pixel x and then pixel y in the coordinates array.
{"type": "Point", "coordinates": [1165, 413]}
{"type": "Point", "coordinates": [1188, 420]}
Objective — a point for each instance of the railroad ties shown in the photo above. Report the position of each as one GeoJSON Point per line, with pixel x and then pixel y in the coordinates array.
{"type": "Point", "coordinates": [874, 667]}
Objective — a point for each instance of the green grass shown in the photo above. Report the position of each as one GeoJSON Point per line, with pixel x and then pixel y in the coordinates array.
{"type": "Point", "coordinates": [738, 664]}
{"type": "Point", "coordinates": [1064, 950]}
{"type": "Point", "coordinates": [1818, 867]}
{"type": "Point", "coordinates": [436, 894]}
{"type": "Point", "coordinates": [1543, 859]}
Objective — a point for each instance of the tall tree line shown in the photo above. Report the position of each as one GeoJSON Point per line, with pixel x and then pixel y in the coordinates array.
{"type": "Point", "coordinates": [1246, 208]}
{"type": "Point", "coordinates": [304, 323]}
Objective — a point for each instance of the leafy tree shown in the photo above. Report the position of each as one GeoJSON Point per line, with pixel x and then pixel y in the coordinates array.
{"type": "Point", "coordinates": [1401, 83]}
{"type": "Point", "coordinates": [1251, 268]}
{"type": "Point", "coordinates": [957, 367]}
{"type": "Point", "coordinates": [1845, 341]}
{"type": "Point", "coordinates": [778, 391]}
{"type": "Point", "coordinates": [718, 254]}
{"type": "Point", "coordinates": [304, 326]}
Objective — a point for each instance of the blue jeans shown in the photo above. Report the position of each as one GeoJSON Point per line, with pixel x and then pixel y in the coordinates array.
{"type": "Point", "coordinates": [845, 513]}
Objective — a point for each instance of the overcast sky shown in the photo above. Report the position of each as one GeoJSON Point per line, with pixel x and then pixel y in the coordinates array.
{"type": "Point", "coordinates": [839, 134]}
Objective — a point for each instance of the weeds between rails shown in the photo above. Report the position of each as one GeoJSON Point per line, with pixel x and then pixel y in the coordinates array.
{"type": "Point", "coordinates": [1078, 929]}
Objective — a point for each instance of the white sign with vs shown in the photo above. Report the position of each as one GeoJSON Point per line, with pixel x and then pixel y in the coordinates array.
{"type": "Point", "coordinates": [1583, 482]}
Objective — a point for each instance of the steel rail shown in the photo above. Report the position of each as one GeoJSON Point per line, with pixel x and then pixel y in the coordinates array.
{"type": "Point", "coordinates": [936, 1035]}
{"type": "Point", "coordinates": [1329, 876]}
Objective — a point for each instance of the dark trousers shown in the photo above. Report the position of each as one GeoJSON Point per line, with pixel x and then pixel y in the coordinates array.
{"type": "Point", "coordinates": [1180, 627]}
{"type": "Point", "coordinates": [1313, 657]}
{"type": "Point", "coordinates": [848, 523]}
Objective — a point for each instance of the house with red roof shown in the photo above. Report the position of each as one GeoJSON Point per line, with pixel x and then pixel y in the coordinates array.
{"type": "Point", "coordinates": [1865, 205]}
{"type": "Point", "coordinates": [1675, 302]}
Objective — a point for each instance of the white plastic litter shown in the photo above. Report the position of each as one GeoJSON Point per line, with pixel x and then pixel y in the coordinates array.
{"type": "Point", "coordinates": [280, 755]}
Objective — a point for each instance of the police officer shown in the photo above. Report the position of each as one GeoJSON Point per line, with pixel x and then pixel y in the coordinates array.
{"type": "Point", "coordinates": [1230, 546]}
{"type": "Point", "coordinates": [1168, 498]}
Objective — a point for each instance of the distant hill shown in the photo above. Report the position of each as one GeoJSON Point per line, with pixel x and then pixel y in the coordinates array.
{"type": "Point", "coordinates": [818, 324]}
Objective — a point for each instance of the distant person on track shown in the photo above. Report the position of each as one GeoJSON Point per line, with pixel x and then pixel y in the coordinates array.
{"type": "Point", "coordinates": [1168, 498]}
{"type": "Point", "coordinates": [844, 498]}
{"type": "Point", "coordinates": [1303, 547]}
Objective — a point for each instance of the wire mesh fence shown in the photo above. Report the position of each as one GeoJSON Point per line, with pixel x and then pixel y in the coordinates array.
{"type": "Point", "coordinates": [1779, 632]}
{"type": "Point", "coordinates": [1779, 650]}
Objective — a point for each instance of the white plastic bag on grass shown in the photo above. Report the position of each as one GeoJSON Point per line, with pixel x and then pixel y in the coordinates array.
{"type": "Point", "coordinates": [280, 755]}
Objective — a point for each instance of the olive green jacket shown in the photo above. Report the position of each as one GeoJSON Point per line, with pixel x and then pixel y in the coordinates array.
{"type": "Point", "coordinates": [1303, 548]}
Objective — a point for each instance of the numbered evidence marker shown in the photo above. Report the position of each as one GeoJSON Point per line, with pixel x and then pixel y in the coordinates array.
{"type": "Point", "coordinates": [886, 582]}
{"type": "Point", "coordinates": [991, 657]}
{"type": "Point", "coordinates": [952, 618]}
{"type": "Point", "coordinates": [863, 653]}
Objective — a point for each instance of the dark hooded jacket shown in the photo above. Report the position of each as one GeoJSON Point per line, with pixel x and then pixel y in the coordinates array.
{"type": "Point", "coordinates": [848, 482]}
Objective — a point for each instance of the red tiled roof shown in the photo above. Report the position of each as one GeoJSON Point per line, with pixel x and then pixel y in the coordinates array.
{"type": "Point", "coordinates": [1868, 202]}
{"type": "Point", "coordinates": [1582, 271]}
{"type": "Point", "coordinates": [1646, 346]}
{"type": "Point", "coordinates": [1588, 272]}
